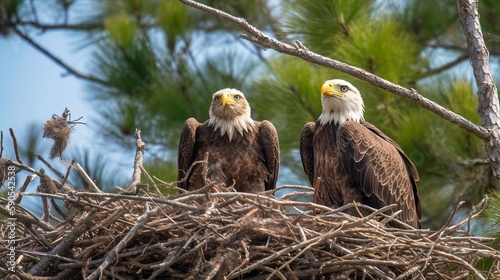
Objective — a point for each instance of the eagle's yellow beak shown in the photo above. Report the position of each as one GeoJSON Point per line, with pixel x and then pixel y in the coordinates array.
{"type": "Point", "coordinates": [328, 88]}
{"type": "Point", "coordinates": [227, 99]}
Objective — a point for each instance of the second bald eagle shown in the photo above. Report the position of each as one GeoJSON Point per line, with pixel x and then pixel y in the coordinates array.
{"type": "Point", "coordinates": [356, 161]}
{"type": "Point", "coordinates": [241, 152]}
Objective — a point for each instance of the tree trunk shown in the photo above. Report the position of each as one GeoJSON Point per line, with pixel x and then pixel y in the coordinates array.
{"type": "Point", "coordinates": [488, 107]}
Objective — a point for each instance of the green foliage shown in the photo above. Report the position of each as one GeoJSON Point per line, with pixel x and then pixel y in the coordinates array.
{"type": "Point", "coordinates": [9, 10]}
{"type": "Point", "coordinates": [380, 47]}
{"type": "Point", "coordinates": [489, 223]}
{"type": "Point", "coordinates": [165, 171]}
{"type": "Point", "coordinates": [428, 19]}
{"type": "Point", "coordinates": [173, 17]}
{"type": "Point", "coordinates": [490, 220]}
{"type": "Point", "coordinates": [490, 22]}
{"type": "Point", "coordinates": [318, 23]}
{"type": "Point", "coordinates": [121, 29]}
{"type": "Point", "coordinates": [453, 161]}
{"type": "Point", "coordinates": [292, 90]}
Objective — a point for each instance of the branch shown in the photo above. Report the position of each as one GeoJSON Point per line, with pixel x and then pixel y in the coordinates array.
{"type": "Point", "coordinates": [14, 141]}
{"type": "Point", "coordinates": [139, 158]}
{"type": "Point", "coordinates": [444, 67]}
{"type": "Point", "coordinates": [256, 36]}
{"type": "Point", "coordinates": [113, 254]}
{"type": "Point", "coordinates": [58, 60]}
{"type": "Point", "coordinates": [56, 26]}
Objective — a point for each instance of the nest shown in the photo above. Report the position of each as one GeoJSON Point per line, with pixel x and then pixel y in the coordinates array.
{"type": "Point", "coordinates": [229, 235]}
{"type": "Point", "coordinates": [213, 234]}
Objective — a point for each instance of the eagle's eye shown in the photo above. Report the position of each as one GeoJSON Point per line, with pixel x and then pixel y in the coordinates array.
{"type": "Point", "coordinates": [237, 97]}
{"type": "Point", "coordinates": [343, 88]}
{"type": "Point", "coordinates": [217, 98]}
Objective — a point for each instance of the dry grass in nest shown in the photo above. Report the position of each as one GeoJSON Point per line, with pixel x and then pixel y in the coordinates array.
{"type": "Point", "coordinates": [228, 235]}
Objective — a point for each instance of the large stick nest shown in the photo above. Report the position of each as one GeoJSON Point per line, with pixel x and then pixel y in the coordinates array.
{"type": "Point", "coordinates": [229, 235]}
{"type": "Point", "coordinates": [209, 234]}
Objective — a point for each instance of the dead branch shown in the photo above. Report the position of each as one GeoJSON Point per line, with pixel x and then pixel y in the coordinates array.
{"type": "Point", "coordinates": [86, 177]}
{"type": "Point", "coordinates": [57, 60]}
{"type": "Point", "coordinates": [16, 149]}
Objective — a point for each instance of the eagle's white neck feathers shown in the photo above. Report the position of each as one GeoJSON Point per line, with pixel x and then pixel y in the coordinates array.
{"type": "Point", "coordinates": [239, 124]}
{"type": "Point", "coordinates": [349, 107]}
{"type": "Point", "coordinates": [230, 113]}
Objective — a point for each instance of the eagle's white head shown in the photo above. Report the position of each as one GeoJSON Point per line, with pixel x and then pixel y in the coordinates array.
{"type": "Point", "coordinates": [341, 102]}
{"type": "Point", "coordinates": [230, 112]}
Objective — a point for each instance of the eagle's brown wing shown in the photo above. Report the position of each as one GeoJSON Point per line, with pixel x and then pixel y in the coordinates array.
{"type": "Point", "coordinates": [185, 153]}
{"type": "Point", "coordinates": [269, 139]}
{"type": "Point", "coordinates": [378, 167]}
{"type": "Point", "coordinates": [307, 151]}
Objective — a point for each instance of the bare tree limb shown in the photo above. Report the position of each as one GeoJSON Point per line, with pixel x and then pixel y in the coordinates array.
{"type": "Point", "coordinates": [57, 60]}
{"type": "Point", "coordinates": [444, 67]}
{"type": "Point", "coordinates": [14, 142]}
{"type": "Point", "coordinates": [258, 37]}
{"type": "Point", "coordinates": [55, 26]}
{"type": "Point", "coordinates": [488, 105]}
{"type": "Point", "coordinates": [138, 160]}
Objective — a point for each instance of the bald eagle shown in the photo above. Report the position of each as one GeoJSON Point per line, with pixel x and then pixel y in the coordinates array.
{"type": "Point", "coordinates": [241, 151]}
{"type": "Point", "coordinates": [356, 161]}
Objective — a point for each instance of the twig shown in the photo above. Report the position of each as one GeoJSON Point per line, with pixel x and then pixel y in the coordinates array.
{"type": "Point", "coordinates": [23, 167]}
{"type": "Point", "coordinates": [139, 157]}
{"type": "Point", "coordinates": [28, 219]}
{"type": "Point", "coordinates": [150, 180]}
{"type": "Point", "coordinates": [59, 174]}
{"type": "Point", "coordinates": [473, 216]}
{"type": "Point", "coordinates": [186, 175]}
{"type": "Point", "coordinates": [67, 172]}
{"type": "Point", "coordinates": [65, 243]}
{"type": "Point", "coordinates": [316, 189]}
{"type": "Point", "coordinates": [287, 263]}
{"type": "Point", "coordinates": [1, 144]}
{"type": "Point", "coordinates": [45, 207]}
{"type": "Point", "coordinates": [58, 210]}
{"type": "Point", "coordinates": [204, 171]}
{"type": "Point", "coordinates": [291, 195]}
{"type": "Point", "coordinates": [28, 180]}
{"type": "Point", "coordinates": [450, 218]}
{"type": "Point", "coordinates": [118, 196]}
{"type": "Point", "coordinates": [282, 252]}
{"type": "Point", "coordinates": [475, 212]}
{"type": "Point", "coordinates": [112, 254]}
{"type": "Point", "coordinates": [92, 185]}
{"type": "Point", "coordinates": [16, 149]}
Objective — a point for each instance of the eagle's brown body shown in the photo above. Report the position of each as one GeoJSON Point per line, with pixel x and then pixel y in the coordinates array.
{"type": "Point", "coordinates": [242, 153]}
{"type": "Point", "coordinates": [248, 161]}
{"type": "Point", "coordinates": [356, 161]}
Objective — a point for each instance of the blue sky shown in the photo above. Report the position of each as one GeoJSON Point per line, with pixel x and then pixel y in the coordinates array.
{"type": "Point", "coordinates": [33, 87]}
